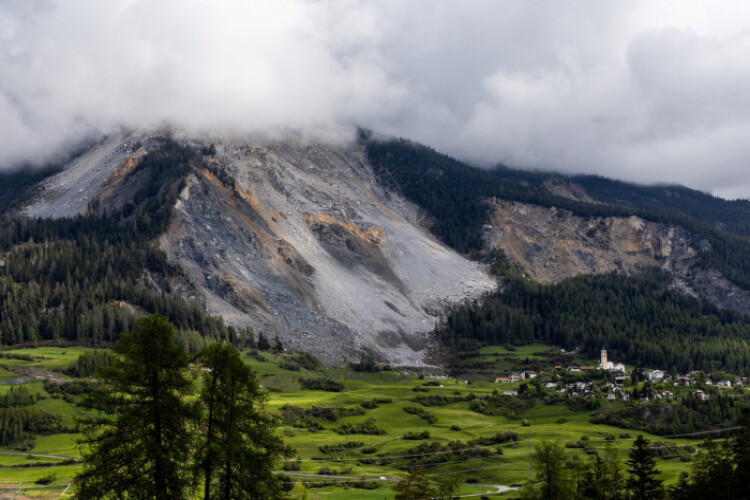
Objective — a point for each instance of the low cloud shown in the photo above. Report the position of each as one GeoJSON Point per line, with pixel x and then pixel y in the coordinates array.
{"type": "Point", "coordinates": [637, 90]}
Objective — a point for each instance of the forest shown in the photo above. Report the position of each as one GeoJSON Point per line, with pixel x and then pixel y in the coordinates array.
{"type": "Point", "coordinates": [637, 318]}
{"type": "Point", "coordinates": [83, 279]}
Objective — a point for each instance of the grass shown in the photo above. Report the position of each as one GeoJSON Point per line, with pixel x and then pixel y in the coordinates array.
{"type": "Point", "coordinates": [512, 467]}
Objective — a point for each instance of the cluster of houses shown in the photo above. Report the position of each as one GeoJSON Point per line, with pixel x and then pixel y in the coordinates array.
{"type": "Point", "coordinates": [613, 390]}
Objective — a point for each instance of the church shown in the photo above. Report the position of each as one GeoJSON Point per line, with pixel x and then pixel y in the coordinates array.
{"type": "Point", "coordinates": [604, 364]}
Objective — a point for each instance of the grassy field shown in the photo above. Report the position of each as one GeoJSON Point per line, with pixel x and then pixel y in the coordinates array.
{"type": "Point", "coordinates": [372, 457]}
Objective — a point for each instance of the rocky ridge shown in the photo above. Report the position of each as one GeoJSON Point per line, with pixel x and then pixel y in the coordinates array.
{"type": "Point", "coordinates": [550, 244]}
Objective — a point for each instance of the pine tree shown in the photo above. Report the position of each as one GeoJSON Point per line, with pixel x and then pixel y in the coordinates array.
{"type": "Point", "coordinates": [643, 483]}
{"type": "Point", "coordinates": [140, 445]}
{"type": "Point", "coordinates": [238, 447]}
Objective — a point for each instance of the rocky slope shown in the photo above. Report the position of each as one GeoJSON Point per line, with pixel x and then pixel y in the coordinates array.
{"type": "Point", "coordinates": [550, 244]}
{"type": "Point", "coordinates": [296, 240]}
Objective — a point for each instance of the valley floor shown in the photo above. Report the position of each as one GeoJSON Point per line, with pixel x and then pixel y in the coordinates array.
{"type": "Point", "coordinates": [493, 451]}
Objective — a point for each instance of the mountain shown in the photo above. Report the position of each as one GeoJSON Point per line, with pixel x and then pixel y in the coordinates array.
{"type": "Point", "coordinates": [553, 227]}
{"type": "Point", "coordinates": [336, 249]}
{"type": "Point", "coordinates": [295, 240]}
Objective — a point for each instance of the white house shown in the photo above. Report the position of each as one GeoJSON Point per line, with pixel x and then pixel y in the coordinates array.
{"type": "Point", "coordinates": [701, 395]}
{"type": "Point", "coordinates": [656, 375]}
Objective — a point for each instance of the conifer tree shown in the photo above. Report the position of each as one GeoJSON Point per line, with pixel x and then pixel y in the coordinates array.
{"type": "Point", "coordinates": [643, 483]}
{"type": "Point", "coordinates": [139, 446]}
{"type": "Point", "coordinates": [238, 448]}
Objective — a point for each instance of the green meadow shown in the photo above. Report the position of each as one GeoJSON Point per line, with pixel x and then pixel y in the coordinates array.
{"type": "Point", "coordinates": [355, 465]}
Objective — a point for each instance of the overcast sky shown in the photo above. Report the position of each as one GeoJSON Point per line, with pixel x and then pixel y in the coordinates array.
{"type": "Point", "coordinates": [644, 90]}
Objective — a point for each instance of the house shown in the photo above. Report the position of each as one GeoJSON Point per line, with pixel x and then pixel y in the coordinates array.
{"type": "Point", "coordinates": [529, 374]}
{"type": "Point", "coordinates": [611, 395]}
{"type": "Point", "coordinates": [510, 393]}
{"type": "Point", "coordinates": [513, 377]}
{"type": "Point", "coordinates": [656, 375]}
{"type": "Point", "coordinates": [668, 394]}
{"type": "Point", "coordinates": [701, 395]}
{"type": "Point", "coordinates": [709, 382]}
{"type": "Point", "coordinates": [682, 382]}
{"type": "Point", "coordinates": [574, 369]}
{"type": "Point", "coordinates": [620, 379]}
{"type": "Point", "coordinates": [550, 385]}
{"type": "Point", "coordinates": [724, 383]}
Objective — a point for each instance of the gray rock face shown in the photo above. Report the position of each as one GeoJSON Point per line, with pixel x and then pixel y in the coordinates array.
{"type": "Point", "coordinates": [549, 245]}
{"type": "Point", "coordinates": [295, 240]}
{"type": "Point", "coordinates": [306, 245]}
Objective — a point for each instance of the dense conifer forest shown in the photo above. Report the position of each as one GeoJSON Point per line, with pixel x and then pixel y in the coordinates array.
{"type": "Point", "coordinates": [638, 318]}
{"type": "Point", "coordinates": [84, 278]}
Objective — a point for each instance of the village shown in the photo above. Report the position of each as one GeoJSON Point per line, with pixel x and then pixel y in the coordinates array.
{"type": "Point", "coordinates": [613, 381]}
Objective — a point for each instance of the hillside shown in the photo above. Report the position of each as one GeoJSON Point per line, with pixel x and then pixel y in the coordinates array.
{"type": "Point", "coordinates": [293, 240]}
{"type": "Point", "coordinates": [339, 249]}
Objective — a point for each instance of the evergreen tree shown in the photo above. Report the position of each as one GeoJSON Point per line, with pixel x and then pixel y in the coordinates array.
{"type": "Point", "coordinates": [712, 473]}
{"type": "Point", "coordinates": [139, 447]}
{"type": "Point", "coordinates": [238, 447]}
{"type": "Point", "coordinates": [553, 481]}
{"type": "Point", "coordinates": [602, 479]}
{"type": "Point", "coordinates": [643, 483]}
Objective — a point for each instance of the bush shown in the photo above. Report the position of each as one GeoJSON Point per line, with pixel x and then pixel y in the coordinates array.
{"type": "Point", "coordinates": [417, 435]}
{"type": "Point", "coordinates": [321, 384]}
{"type": "Point", "coordinates": [455, 428]}
{"type": "Point", "coordinates": [367, 427]}
{"type": "Point", "coordinates": [423, 414]}
{"type": "Point", "coordinates": [46, 479]}
{"type": "Point", "coordinates": [299, 361]}
{"type": "Point", "coordinates": [292, 465]}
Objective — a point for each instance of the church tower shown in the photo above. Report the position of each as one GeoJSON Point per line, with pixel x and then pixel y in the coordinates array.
{"type": "Point", "coordinates": [604, 358]}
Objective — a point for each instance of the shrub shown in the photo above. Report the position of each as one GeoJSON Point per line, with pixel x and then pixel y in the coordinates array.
{"type": "Point", "coordinates": [423, 414]}
{"type": "Point", "coordinates": [367, 427]}
{"type": "Point", "coordinates": [321, 384]}
{"type": "Point", "coordinates": [417, 435]}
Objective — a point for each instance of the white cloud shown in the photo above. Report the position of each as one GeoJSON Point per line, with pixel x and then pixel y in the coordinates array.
{"type": "Point", "coordinates": [639, 90]}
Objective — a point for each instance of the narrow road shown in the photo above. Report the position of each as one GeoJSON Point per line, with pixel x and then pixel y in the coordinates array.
{"type": "Point", "coordinates": [499, 488]}
{"type": "Point", "coordinates": [24, 454]}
